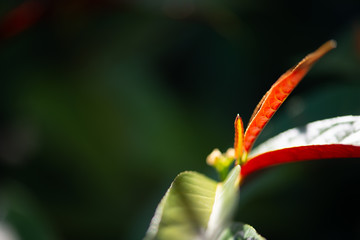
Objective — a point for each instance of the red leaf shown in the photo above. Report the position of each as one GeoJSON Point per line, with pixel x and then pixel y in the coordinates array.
{"type": "Point", "coordinates": [302, 153]}
{"type": "Point", "coordinates": [279, 92]}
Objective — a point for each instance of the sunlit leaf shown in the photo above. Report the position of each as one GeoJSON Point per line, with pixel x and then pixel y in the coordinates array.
{"type": "Point", "coordinates": [332, 138]}
{"type": "Point", "coordinates": [277, 94]}
{"type": "Point", "coordinates": [225, 201]}
{"type": "Point", "coordinates": [195, 207]}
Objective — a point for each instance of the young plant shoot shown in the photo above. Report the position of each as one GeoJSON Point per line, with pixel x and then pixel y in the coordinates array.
{"type": "Point", "coordinates": [197, 207]}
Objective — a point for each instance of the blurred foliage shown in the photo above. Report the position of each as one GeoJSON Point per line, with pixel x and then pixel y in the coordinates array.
{"type": "Point", "coordinates": [104, 102]}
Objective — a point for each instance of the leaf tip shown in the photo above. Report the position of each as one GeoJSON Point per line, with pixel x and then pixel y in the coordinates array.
{"type": "Point", "coordinates": [313, 57]}
{"type": "Point", "coordinates": [326, 47]}
{"type": "Point", "coordinates": [332, 43]}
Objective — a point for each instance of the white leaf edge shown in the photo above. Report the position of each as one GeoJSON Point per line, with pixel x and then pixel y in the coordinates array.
{"type": "Point", "coordinates": [338, 130]}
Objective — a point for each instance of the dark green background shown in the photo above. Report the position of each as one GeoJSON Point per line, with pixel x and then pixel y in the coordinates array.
{"type": "Point", "coordinates": [103, 103]}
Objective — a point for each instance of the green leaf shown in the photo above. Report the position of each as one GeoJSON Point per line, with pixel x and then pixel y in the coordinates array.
{"type": "Point", "coordinates": [339, 130]}
{"type": "Point", "coordinates": [195, 207]}
{"type": "Point", "coordinates": [240, 231]}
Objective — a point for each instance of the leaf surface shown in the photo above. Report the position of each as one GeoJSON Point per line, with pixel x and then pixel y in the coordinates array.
{"type": "Point", "coordinates": [331, 138]}
{"type": "Point", "coordinates": [195, 207]}
{"type": "Point", "coordinates": [277, 94]}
